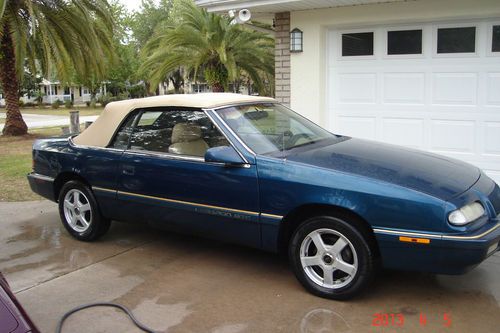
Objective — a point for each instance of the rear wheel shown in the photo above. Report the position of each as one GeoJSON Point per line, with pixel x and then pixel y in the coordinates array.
{"type": "Point", "coordinates": [80, 213]}
{"type": "Point", "coordinates": [331, 258]}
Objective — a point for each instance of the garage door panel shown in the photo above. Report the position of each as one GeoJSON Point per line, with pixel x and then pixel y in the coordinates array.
{"type": "Point", "coordinates": [405, 132]}
{"type": "Point", "coordinates": [454, 88]}
{"type": "Point", "coordinates": [360, 127]}
{"type": "Point", "coordinates": [404, 88]}
{"type": "Point", "coordinates": [492, 138]}
{"type": "Point", "coordinates": [493, 89]}
{"type": "Point", "coordinates": [357, 88]}
{"type": "Point", "coordinates": [453, 136]}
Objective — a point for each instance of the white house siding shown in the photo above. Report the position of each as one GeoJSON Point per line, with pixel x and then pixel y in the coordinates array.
{"type": "Point", "coordinates": [315, 89]}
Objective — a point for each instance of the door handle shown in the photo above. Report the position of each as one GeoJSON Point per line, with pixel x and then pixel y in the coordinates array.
{"type": "Point", "coordinates": [128, 170]}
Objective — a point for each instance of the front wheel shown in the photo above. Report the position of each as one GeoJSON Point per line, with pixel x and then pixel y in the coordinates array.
{"type": "Point", "coordinates": [331, 258]}
{"type": "Point", "coordinates": [80, 213]}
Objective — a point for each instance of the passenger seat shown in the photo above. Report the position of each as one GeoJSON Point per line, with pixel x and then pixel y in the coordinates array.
{"type": "Point", "coordinates": [187, 140]}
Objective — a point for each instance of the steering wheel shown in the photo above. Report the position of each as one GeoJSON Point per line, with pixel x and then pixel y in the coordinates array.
{"type": "Point", "coordinates": [283, 138]}
{"type": "Point", "coordinates": [296, 138]}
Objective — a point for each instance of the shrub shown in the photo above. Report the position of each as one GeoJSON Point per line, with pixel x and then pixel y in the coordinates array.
{"type": "Point", "coordinates": [87, 103]}
{"type": "Point", "coordinates": [57, 104]}
{"type": "Point", "coordinates": [68, 104]}
{"type": "Point", "coordinates": [21, 103]}
{"type": "Point", "coordinates": [105, 99]}
{"type": "Point", "coordinates": [29, 104]}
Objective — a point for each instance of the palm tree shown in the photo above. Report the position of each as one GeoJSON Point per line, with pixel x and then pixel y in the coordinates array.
{"type": "Point", "coordinates": [210, 43]}
{"type": "Point", "coordinates": [55, 37]}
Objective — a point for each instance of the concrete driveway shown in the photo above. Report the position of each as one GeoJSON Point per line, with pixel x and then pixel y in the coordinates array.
{"type": "Point", "coordinates": [184, 284]}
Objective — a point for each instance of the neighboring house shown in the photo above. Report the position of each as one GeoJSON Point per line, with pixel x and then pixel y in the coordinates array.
{"type": "Point", "coordinates": [190, 87]}
{"type": "Point", "coordinates": [54, 90]}
{"type": "Point", "coordinates": [423, 74]}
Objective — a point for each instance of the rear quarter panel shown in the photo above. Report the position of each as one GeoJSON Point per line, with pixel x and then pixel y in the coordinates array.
{"type": "Point", "coordinates": [98, 167]}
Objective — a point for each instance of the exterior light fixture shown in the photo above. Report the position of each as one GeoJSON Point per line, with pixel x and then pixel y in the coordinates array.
{"type": "Point", "coordinates": [296, 40]}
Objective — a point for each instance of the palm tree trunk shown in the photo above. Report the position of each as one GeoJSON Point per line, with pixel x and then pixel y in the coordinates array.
{"type": "Point", "coordinates": [14, 123]}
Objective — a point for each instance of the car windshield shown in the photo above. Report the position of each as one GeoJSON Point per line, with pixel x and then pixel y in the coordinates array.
{"type": "Point", "coordinates": [268, 128]}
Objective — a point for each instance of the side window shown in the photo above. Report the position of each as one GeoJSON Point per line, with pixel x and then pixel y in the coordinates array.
{"type": "Point", "coordinates": [456, 40]}
{"type": "Point", "coordinates": [495, 39]}
{"type": "Point", "coordinates": [182, 132]}
{"type": "Point", "coordinates": [357, 44]}
{"type": "Point", "coordinates": [123, 135]}
{"type": "Point", "coordinates": [404, 42]}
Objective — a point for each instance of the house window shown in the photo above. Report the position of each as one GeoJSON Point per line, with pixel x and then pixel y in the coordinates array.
{"type": "Point", "coordinates": [404, 42]}
{"type": "Point", "coordinates": [55, 90]}
{"type": "Point", "coordinates": [66, 90]}
{"type": "Point", "coordinates": [495, 43]}
{"type": "Point", "coordinates": [456, 40]}
{"type": "Point", "coordinates": [357, 44]}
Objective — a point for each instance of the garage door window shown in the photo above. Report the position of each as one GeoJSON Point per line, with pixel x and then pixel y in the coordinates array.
{"type": "Point", "coordinates": [404, 42]}
{"type": "Point", "coordinates": [357, 44]}
{"type": "Point", "coordinates": [456, 40]}
{"type": "Point", "coordinates": [495, 47]}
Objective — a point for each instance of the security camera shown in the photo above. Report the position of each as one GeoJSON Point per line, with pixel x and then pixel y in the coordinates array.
{"type": "Point", "coordinates": [243, 16]}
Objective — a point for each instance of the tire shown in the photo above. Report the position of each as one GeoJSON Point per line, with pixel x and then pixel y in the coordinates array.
{"type": "Point", "coordinates": [80, 213]}
{"type": "Point", "coordinates": [345, 256]}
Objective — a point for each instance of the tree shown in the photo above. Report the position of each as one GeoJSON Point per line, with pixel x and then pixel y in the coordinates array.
{"type": "Point", "coordinates": [143, 24]}
{"type": "Point", "coordinates": [30, 85]}
{"type": "Point", "coordinates": [208, 42]}
{"type": "Point", "coordinates": [53, 36]}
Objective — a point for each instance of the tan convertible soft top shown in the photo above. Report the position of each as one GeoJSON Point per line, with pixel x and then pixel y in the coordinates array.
{"type": "Point", "coordinates": [100, 132]}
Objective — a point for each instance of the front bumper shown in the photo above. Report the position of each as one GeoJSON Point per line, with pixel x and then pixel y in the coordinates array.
{"type": "Point", "coordinates": [42, 185]}
{"type": "Point", "coordinates": [444, 254]}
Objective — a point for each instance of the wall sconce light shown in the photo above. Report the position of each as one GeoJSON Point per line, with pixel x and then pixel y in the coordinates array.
{"type": "Point", "coordinates": [296, 40]}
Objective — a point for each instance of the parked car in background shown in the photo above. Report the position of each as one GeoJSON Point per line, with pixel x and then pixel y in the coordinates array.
{"type": "Point", "coordinates": [13, 318]}
{"type": "Point", "coordinates": [249, 170]}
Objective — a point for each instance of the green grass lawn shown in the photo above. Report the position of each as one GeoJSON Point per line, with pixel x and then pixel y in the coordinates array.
{"type": "Point", "coordinates": [15, 163]}
{"type": "Point", "coordinates": [62, 111]}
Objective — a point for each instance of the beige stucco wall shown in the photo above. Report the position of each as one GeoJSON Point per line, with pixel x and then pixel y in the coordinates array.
{"type": "Point", "coordinates": [308, 69]}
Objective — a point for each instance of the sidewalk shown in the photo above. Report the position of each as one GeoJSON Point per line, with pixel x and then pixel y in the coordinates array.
{"type": "Point", "coordinates": [39, 120]}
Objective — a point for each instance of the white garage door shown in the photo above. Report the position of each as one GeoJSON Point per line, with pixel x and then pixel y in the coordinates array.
{"type": "Point", "coordinates": [434, 87]}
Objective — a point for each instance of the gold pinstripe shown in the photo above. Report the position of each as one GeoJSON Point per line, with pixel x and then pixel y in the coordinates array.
{"type": "Point", "coordinates": [188, 203]}
{"type": "Point", "coordinates": [271, 216]}
{"type": "Point", "coordinates": [103, 189]}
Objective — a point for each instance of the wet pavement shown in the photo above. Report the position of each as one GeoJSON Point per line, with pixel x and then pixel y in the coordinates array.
{"type": "Point", "coordinates": [179, 283]}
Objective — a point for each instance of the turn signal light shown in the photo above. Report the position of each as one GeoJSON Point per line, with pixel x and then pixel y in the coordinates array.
{"type": "Point", "coordinates": [414, 240]}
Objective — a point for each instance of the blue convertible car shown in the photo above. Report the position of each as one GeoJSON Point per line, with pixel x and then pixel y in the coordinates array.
{"type": "Point", "coordinates": [248, 170]}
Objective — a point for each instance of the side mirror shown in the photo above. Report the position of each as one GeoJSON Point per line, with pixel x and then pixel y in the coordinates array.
{"type": "Point", "coordinates": [225, 155]}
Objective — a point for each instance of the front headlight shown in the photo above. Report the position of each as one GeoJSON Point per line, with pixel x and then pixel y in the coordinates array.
{"type": "Point", "coordinates": [466, 214]}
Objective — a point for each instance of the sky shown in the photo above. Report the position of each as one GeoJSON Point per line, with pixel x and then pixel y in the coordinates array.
{"type": "Point", "coordinates": [131, 4]}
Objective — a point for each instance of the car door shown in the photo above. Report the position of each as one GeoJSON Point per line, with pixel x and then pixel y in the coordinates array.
{"type": "Point", "coordinates": [164, 179]}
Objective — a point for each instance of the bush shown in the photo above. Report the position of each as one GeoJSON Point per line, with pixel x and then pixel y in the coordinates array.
{"type": "Point", "coordinates": [68, 104]}
{"type": "Point", "coordinates": [104, 100]}
{"type": "Point", "coordinates": [122, 96]}
{"type": "Point", "coordinates": [21, 103]}
{"type": "Point", "coordinates": [87, 103]}
{"type": "Point", "coordinates": [29, 105]}
{"type": "Point", "coordinates": [57, 104]}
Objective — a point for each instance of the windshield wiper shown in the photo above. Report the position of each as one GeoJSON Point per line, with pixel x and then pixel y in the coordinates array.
{"type": "Point", "coordinates": [301, 145]}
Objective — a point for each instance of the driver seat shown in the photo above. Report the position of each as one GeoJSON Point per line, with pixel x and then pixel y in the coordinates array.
{"type": "Point", "coordinates": [187, 140]}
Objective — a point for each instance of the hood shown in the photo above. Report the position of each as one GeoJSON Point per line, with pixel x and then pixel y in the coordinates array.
{"type": "Point", "coordinates": [433, 174]}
